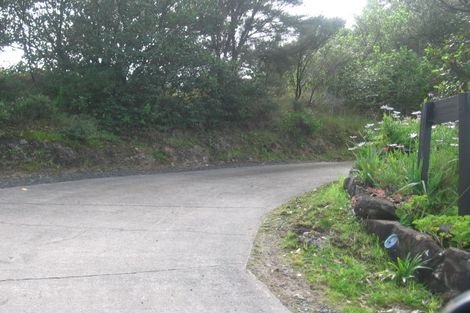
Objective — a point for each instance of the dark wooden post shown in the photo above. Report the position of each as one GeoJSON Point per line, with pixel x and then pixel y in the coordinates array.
{"type": "Point", "coordinates": [424, 151]}
{"type": "Point", "coordinates": [464, 154]}
{"type": "Point", "coordinates": [448, 110]}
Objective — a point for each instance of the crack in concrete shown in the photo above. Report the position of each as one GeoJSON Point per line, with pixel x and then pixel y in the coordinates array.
{"type": "Point", "coordinates": [182, 269]}
{"type": "Point", "coordinates": [53, 242]}
{"type": "Point", "coordinates": [125, 229]}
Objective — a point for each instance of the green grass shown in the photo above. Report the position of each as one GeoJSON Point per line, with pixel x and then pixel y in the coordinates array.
{"type": "Point", "coordinates": [180, 141]}
{"type": "Point", "coordinates": [43, 135]}
{"type": "Point", "coordinates": [352, 265]}
{"type": "Point", "coordinates": [291, 241]}
{"type": "Point", "coordinates": [337, 128]}
{"type": "Point", "coordinates": [160, 156]}
{"type": "Point", "coordinates": [94, 139]}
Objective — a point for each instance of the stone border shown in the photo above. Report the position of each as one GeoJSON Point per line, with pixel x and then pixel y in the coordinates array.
{"type": "Point", "coordinates": [449, 269]}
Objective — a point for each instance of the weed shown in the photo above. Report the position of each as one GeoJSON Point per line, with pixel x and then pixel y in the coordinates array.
{"type": "Point", "coordinates": [179, 141]}
{"type": "Point", "coordinates": [404, 270]}
{"type": "Point", "coordinates": [161, 156]}
{"type": "Point", "coordinates": [290, 241]}
{"type": "Point", "coordinates": [41, 135]}
{"type": "Point", "coordinates": [80, 129]}
{"type": "Point", "coordinates": [414, 209]}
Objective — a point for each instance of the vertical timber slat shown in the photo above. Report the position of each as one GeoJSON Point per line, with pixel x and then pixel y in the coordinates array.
{"type": "Point", "coordinates": [424, 151]}
{"type": "Point", "coordinates": [464, 154]}
{"type": "Point", "coordinates": [447, 112]}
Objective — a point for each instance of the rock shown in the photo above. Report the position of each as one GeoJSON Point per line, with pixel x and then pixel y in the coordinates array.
{"type": "Point", "coordinates": [409, 241]}
{"type": "Point", "coordinates": [382, 228]}
{"type": "Point", "coordinates": [368, 207]}
{"type": "Point", "coordinates": [23, 142]}
{"type": "Point", "coordinates": [449, 269]}
{"type": "Point", "coordinates": [455, 270]}
{"type": "Point", "coordinates": [314, 239]}
{"type": "Point", "coordinates": [352, 186]}
{"type": "Point", "coordinates": [349, 185]}
{"type": "Point", "coordinates": [413, 243]}
{"type": "Point", "coordinates": [63, 155]}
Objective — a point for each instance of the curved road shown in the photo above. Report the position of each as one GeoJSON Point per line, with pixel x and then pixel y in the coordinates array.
{"type": "Point", "coordinates": [164, 243]}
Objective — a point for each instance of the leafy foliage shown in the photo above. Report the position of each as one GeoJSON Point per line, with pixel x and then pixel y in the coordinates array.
{"type": "Point", "coordinates": [388, 160]}
{"type": "Point", "coordinates": [300, 124]}
{"type": "Point", "coordinates": [447, 230]}
{"type": "Point", "coordinates": [29, 109]}
{"type": "Point", "coordinates": [80, 129]}
{"type": "Point", "coordinates": [398, 52]}
{"type": "Point", "coordinates": [140, 64]}
{"type": "Point", "coordinates": [404, 270]}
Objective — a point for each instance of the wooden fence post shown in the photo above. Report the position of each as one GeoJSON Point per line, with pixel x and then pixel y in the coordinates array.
{"type": "Point", "coordinates": [424, 151]}
{"type": "Point", "coordinates": [443, 111]}
{"type": "Point", "coordinates": [464, 154]}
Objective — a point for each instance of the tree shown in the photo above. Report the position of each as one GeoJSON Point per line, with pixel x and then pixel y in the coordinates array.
{"type": "Point", "coordinates": [312, 33]}
{"type": "Point", "coordinates": [456, 5]}
{"type": "Point", "coordinates": [4, 22]}
{"type": "Point", "coordinates": [231, 28]}
{"type": "Point", "coordinates": [329, 65]}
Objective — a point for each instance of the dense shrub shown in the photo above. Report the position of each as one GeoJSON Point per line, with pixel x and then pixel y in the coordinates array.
{"type": "Point", "coordinates": [80, 129]}
{"type": "Point", "coordinates": [18, 83]}
{"type": "Point", "coordinates": [398, 77]}
{"type": "Point", "coordinates": [33, 108]}
{"type": "Point", "coordinates": [4, 114]}
{"type": "Point", "coordinates": [300, 124]}
{"type": "Point", "coordinates": [28, 109]}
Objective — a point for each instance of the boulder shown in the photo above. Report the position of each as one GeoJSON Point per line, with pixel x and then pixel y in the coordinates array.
{"type": "Point", "coordinates": [455, 270]}
{"type": "Point", "coordinates": [382, 228]}
{"type": "Point", "coordinates": [352, 186]}
{"type": "Point", "coordinates": [410, 242]}
{"type": "Point", "coordinates": [349, 185]}
{"type": "Point", "coordinates": [313, 238]}
{"type": "Point", "coordinates": [368, 207]}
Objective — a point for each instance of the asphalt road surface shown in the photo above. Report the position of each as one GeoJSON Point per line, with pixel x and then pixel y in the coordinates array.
{"type": "Point", "coordinates": [164, 243]}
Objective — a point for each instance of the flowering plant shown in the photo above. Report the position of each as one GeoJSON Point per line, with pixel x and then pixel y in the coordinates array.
{"type": "Point", "coordinates": [387, 158]}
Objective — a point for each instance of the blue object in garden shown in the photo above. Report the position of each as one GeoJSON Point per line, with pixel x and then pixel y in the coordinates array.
{"type": "Point", "coordinates": [391, 241]}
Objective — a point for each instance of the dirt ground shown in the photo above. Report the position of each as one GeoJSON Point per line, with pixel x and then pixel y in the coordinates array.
{"type": "Point", "coordinates": [271, 265]}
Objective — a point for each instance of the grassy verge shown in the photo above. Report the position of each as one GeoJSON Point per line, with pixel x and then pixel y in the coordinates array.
{"type": "Point", "coordinates": [79, 143]}
{"type": "Point", "coordinates": [350, 263]}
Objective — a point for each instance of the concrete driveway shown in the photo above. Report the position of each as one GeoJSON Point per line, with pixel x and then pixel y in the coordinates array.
{"type": "Point", "coordinates": [166, 243]}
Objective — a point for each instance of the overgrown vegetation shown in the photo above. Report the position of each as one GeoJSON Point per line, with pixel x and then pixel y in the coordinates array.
{"type": "Point", "coordinates": [387, 159]}
{"type": "Point", "coordinates": [354, 267]}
